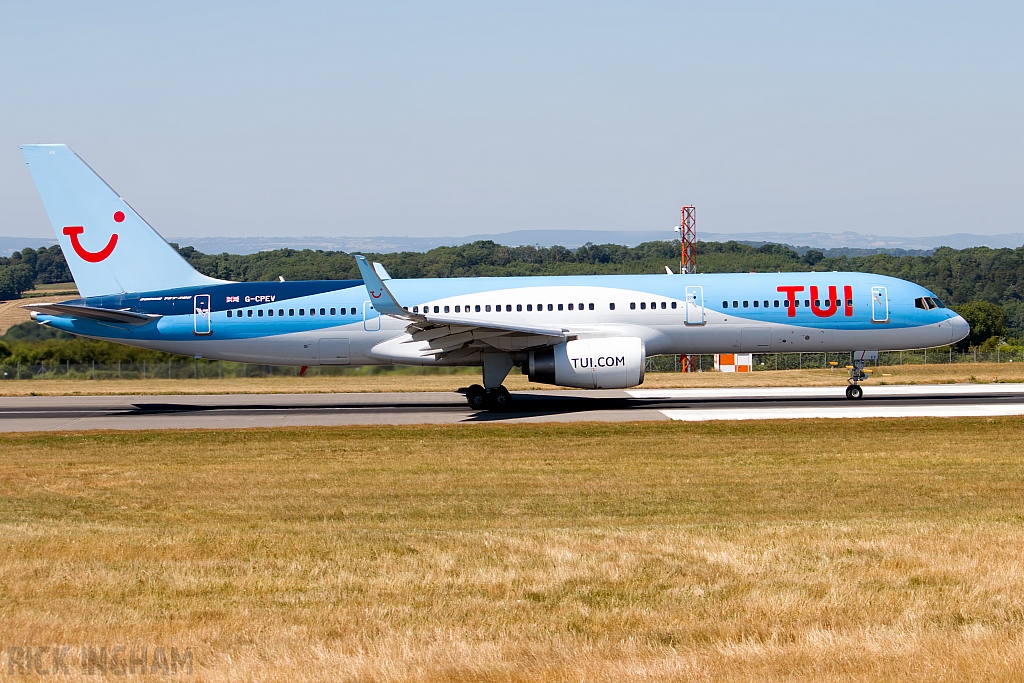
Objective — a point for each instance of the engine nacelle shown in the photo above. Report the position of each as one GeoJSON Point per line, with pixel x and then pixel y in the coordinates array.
{"type": "Point", "coordinates": [610, 363]}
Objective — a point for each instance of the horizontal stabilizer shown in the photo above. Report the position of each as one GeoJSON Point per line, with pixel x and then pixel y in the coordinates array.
{"type": "Point", "coordinates": [91, 313]}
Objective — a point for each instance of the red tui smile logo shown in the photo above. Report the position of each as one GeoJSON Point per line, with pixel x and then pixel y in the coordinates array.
{"type": "Point", "coordinates": [73, 231]}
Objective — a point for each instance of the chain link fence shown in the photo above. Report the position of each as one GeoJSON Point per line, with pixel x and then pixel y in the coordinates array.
{"type": "Point", "coordinates": [807, 361]}
{"type": "Point", "coordinates": [199, 369]}
{"type": "Point", "coordinates": [212, 369]}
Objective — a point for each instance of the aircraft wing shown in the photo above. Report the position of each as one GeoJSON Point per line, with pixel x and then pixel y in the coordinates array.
{"type": "Point", "coordinates": [107, 315]}
{"type": "Point", "coordinates": [448, 335]}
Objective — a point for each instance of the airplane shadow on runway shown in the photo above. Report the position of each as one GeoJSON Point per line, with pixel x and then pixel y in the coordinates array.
{"type": "Point", "coordinates": [524, 405]}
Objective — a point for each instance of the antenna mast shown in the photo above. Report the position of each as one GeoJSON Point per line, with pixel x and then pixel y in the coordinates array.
{"type": "Point", "coordinates": [688, 240]}
{"type": "Point", "coordinates": [688, 264]}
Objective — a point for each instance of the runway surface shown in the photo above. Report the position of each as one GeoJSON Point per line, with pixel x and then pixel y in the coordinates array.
{"type": "Point", "coordinates": [45, 413]}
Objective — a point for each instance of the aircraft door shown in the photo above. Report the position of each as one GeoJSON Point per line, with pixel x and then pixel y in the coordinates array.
{"type": "Point", "coordinates": [371, 318]}
{"type": "Point", "coordinates": [879, 305]}
{"type": "Point", "coordinates": [201, 314]}
{"type": "Point", "coordinates": [694, 305]}
{"type": "Point", "coordinates": [334, 352]}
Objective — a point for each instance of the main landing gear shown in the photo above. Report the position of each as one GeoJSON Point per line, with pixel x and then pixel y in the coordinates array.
{"type": "Point", "coordinates": [483, 399]}
{"type": "Point", "coordinates": [492, 395]}
{"type": "Point", "coordinates": [857, 375]}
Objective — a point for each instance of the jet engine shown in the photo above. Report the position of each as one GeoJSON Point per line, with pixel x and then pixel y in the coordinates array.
{"type": "Point", "coordinates": [611, 363]}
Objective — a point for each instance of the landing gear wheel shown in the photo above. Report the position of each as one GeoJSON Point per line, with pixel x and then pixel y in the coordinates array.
{"type": "Point", "coordinates": [500, 398]}
{"type": "Point", "coordinates": [854, 392]}
{"type": "Point", "coordinates": [476, 395]}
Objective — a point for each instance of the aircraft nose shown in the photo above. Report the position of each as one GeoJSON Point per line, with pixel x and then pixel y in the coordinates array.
{"type": "Point", "coordinates": [960, 328]}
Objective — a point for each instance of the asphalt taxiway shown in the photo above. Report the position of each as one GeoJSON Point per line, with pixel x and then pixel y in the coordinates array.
{"type": "Point", "coordinates": [230, 411]}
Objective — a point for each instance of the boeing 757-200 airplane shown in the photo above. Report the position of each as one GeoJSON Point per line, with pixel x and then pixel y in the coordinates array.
{"type": "Point", "coordinates": [591, 331]}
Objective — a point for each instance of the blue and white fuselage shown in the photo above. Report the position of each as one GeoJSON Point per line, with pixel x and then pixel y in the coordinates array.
{"type": "Point", "coordinates": [582, 331]}
{"type": "Point", "coordinates": [283, 322]}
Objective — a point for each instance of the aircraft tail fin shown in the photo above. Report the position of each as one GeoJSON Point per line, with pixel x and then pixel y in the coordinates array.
{"type": "Point", "coordinates": [109, 248]}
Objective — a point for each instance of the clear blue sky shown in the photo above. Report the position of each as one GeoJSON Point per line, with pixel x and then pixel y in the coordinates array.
{"type": "Point", "coordinates": [451, 119]}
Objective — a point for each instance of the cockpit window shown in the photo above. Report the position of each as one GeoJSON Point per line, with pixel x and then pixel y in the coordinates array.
{"type": "Point", "coordinates": [927, 303]}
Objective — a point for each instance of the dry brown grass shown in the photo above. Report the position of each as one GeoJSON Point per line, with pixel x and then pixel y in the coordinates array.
{"type": "Point", "coordinates": [12, 313]}
{"type": "Point", "coordinates": [806, 550]}
{"type": "Point", "coordinates": [906, 374]}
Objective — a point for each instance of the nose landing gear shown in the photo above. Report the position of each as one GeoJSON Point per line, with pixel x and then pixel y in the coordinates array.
{"type": "Point", "coordinates": [857, 375]}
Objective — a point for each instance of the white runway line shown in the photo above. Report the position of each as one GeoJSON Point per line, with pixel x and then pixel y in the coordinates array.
{"type": "Point", "coordinates": [870, 391]}
{"type": "Point", "coordinates": [849, 411]}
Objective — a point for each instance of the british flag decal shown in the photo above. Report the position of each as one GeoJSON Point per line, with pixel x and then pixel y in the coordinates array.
{"type": "Point", "coordinates": [231, 299]}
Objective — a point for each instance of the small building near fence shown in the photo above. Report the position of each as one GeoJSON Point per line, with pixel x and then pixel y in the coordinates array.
{"type": "Point", "coordinates": [734, 362]}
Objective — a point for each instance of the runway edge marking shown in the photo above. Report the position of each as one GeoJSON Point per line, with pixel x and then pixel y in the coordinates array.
{"type": "Point", "coordinates": [847, 412]}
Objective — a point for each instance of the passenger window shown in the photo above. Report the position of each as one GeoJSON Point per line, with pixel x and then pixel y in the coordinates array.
{"type": "Point", "coordinates": [570, 307]}
{"type": "Point", "coordinates": [673, 304]}
{"type": "Point", "coordinates": [807, 303]}
{"type": "Point", "coordinates": [735, 304]}
{"type": "Point", "coordinates": [415, 309]}
{"type": "Point", "coordinates": [508, 308]}
{"type": "Point", "coordinates": [663, 304]}
{"type": "Point", "coordinates": [529, 307]}
{"type": "Point", "coordinates": [551, 307]}
{"type": "Point", "coordinates": [632, 306]}
{"type": "Point", "coordinates": [776, 303]}
{"type": "Point", "coordinates": [487, 308]}
{"type": "Point", "coordinates": [437, 309]}
{"type": "Point", "coordinates": [291, 311]}
{"type": "Point", "coordinates": [447, 309]}
{"type": "Point", "coordinates": [766, 303]}
{"type": "Point", "coordinates": [559, 306]}
{"type": "Point", "coordinates": [643, 305]}
{"type": "Point", "coordinates": [654, 304]}
{"type": "Point", "coordinates": [725, 304]}
{"type": "Point", "coordinates": [746, 304]}
{"type": "Point", "coordinates": [796, 303]}
{"type": "Point", "coordinates": [611, 307]}
{"type": "Point", "coordinates": [259, 313]}
{"type": "Point", "coordinates": [229, 314]}
{"type": "Point", "coordinates": [333, 311]}
{"type": "Point", "coordinates": [519, 308]}
{"type": "Point", "coordinates": [581, 307]}
{"type": "Point", "coordinates": [478, 308]}
{"type": "Point", "coordinates": [592, 306]}
{"type": "Point", "coordinates": [302, 311]}
{"type": "Point", "coordinates": [270, 312]}
{"type": "Point", "coordinates": [353, 311]}
{"type": "Point", "coordinates": [238, 313]}
{"type": "Point", "coordinates": [280, 311]}
{"type": "Point", "coordinates": [250, 312]}
{"type": "Point", "coordinates": [755, 303]}
{"type": "Point", "coordinates": [312, 311]}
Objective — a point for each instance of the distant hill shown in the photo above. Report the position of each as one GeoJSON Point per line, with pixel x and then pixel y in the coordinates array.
{"type": "Point", "coordinates": [851, 243]}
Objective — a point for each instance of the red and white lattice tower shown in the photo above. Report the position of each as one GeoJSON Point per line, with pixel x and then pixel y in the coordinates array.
{"type": "Point", "coordinates": [688, 263]}
{"type": "Point", "coordinates": [688, 240]}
